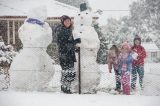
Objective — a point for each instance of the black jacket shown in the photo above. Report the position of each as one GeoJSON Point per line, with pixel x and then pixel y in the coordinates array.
{"type": "Point", "coordinates": [66, 46]}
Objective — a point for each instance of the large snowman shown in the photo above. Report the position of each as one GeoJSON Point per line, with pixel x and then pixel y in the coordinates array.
{"type": "Point", "coordinates": [32, 68]}
{"type": "Point", "coordinates": [90, 72]}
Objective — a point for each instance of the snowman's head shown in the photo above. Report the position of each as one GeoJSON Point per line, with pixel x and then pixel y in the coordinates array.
{"type": "Point", "coordinates": [39, 13]}
{"type": "Point", "coordinates": [84, 18]}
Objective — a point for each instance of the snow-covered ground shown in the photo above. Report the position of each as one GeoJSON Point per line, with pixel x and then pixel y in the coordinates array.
{"type": "Point", "coordinates": [56, 99]}
{"type": "Point", "coordinates": [151, 80]}
{"type": "Point", "coordinates": [102, 98]}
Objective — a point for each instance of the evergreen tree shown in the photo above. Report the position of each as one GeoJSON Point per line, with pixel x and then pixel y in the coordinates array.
{"type": "Point", "coordinates": [102, 53]}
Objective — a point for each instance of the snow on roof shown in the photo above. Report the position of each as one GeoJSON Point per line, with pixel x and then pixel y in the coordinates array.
{"type": "Point", "coordinates": [150, 47]}
{"type": "Point", "coordinates": [21, 7]}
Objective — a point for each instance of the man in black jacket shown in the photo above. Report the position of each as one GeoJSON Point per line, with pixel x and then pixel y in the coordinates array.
{"type": "Point", "coordinates": [66, 46]}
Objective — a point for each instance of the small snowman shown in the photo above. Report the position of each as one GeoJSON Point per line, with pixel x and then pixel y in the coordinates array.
{"type": "Point", "coordinates": [89, 46]}
{"type": "Point", "coordinates": [32, 69]}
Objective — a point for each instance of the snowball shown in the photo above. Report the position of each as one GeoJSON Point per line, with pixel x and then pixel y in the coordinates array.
{"type": "Point", "coordinates": [134, 55]}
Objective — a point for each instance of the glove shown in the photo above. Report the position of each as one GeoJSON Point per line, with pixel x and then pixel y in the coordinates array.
{"type": "Point", "coordinates": [77, 49]}
{"type": "Point", "coordinates": [77, 40]}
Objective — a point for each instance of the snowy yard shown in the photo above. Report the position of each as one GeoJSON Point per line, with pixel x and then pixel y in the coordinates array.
{"type": "Point", "coordinates": [102, 98]}
{"type": "Point", "coordinates": [151, 80]}
{"type": "Point", "coordinates": [40, 36]}
{"type": "Point", "coordinates": [54, 99]}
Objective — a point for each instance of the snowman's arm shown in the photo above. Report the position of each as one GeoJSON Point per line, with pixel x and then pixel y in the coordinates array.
{"type": "Point", "coordinates": [78, 40]}
{"type": "Point", "coordinates": [48, 28]}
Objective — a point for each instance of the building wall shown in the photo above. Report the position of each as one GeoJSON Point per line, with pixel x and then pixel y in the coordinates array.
{"type": "Point", "coordinates": [158, 54]}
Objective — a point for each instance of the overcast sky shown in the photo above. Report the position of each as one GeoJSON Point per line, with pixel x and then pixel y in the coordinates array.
{"type": "Point", "coordinates": [110, 5]}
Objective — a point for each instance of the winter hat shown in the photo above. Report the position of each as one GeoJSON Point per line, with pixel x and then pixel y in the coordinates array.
{"type": "Point", "coordinates": [63, 18]}
{"type": "Point", "coordinates": [83, 7]}
{"type": "Point", "coordinates": [126, 44]}
{"type": "Point", "coordinates": [137, 38]}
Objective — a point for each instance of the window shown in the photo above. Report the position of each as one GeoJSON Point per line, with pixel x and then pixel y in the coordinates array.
{"type": "Point", "coordinates": [153, 54]}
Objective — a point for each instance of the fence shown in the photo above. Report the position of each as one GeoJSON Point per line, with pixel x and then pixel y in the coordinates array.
{"type": "Point", "coordinates": [103, 81]}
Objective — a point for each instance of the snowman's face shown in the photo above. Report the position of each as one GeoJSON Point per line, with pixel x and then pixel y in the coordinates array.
{"type": "Point", "coordinates": [83, 18]}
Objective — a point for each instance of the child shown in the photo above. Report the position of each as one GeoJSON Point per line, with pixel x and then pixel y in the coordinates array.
{"type": "Point", "coordinates": [138, 64]}
{"type": "Point", "coordinates": [112, 59]}
{"type": "Point", "coordinates": [125, 66]}
{"type": "Point", "coordinates": [66, 47]}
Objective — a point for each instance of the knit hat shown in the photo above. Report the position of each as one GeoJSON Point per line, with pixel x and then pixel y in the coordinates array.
{"type": "Point", "coordinates": [137, 38]}
{"type": "Point", "coordinates": [126, 44]}
{"type": "Point", "coordinates": [63, 18]}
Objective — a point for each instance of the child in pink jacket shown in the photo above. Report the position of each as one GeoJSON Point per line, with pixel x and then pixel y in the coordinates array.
{"type": "Point", "coordinates": [125, 66]}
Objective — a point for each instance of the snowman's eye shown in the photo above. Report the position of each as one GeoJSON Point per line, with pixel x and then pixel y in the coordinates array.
{"type": "Point", "coordinates": [79, 14]}
{"type": "Point", "coordinates": [86, 13]}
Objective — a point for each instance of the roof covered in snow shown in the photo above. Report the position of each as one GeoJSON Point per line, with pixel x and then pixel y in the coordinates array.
{"type": "Point", "coordinates": [150, 47]}
{"type": "Point", "coordinates": [21, 7]}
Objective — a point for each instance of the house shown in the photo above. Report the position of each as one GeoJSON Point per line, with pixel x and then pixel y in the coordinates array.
{"type": "Point", "coordinates": [153, 52]}
{"type": "Point", "coordinates": [13, 14]}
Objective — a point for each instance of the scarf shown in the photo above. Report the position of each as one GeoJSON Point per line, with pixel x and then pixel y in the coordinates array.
{"type": "Point", "coordinates": [35, 21]}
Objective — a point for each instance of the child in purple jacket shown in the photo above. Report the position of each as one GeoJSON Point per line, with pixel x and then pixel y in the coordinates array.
{"type": "Point", "coordinates": [125, 66]}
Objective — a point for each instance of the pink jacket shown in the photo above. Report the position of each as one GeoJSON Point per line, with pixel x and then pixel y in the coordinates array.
{"type": "Point", "coordinates": [112, 60]}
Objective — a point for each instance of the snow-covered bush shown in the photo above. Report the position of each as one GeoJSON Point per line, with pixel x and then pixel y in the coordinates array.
{"type": "Point", "coordinates": [6, 54]}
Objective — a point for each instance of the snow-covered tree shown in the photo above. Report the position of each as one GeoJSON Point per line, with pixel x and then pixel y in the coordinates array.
{"type": "Point", "coordinates": [117, 31]}
{"type": "Point", "coordinates": [145, 18]}
{"type": "Point", "coordinates": [111, 30]}
{"type": "Point", "coordinates": [101, 56]}
{"type": "Point", "coordinates": [6, 54]}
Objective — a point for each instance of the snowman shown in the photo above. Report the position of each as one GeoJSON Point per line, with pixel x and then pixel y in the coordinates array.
{"type": "Point", "coordinates": [90, 72]}
{"type": "Point", "coordinates": [32, 68]}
